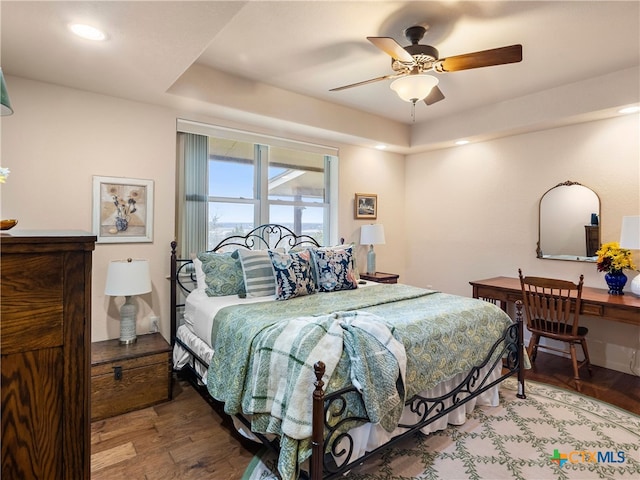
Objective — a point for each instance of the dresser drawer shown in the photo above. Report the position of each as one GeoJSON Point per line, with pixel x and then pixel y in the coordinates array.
{"type": "Point", "coordinates": [122, 386]}
{"type": "Point", "coordinates": [32, 306]}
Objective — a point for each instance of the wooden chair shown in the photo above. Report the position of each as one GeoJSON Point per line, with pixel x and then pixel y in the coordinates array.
{"type": "Point", "coordinates": [549, 313]}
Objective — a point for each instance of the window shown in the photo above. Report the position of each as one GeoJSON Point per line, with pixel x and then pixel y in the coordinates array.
{"type": "Point", "coordinates": [252, 180]}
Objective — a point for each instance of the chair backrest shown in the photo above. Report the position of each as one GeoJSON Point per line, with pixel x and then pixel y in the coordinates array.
{"type": "Point", "coordinates": [547, 304]}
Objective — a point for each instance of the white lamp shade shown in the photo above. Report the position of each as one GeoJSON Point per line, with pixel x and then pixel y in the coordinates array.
{"type": "Point", "coordinates": [630, 234]}
{"type": "Point", "coordinates": [372, 234]}
{"type": "Point", "coordinates": [413, 88]}
{"type": "Point", "coordinates": [128, 277]}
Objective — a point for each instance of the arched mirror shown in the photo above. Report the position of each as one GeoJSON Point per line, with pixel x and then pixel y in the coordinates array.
{"type": "Point", "coordinates": [569, 223]}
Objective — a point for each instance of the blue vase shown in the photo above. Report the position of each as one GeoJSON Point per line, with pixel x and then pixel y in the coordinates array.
{"type": "Point", "coordinates": [121, 224]}
{"type": "Point", "coordinates": [616, 281]}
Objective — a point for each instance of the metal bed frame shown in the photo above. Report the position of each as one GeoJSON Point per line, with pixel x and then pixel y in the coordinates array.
{"type": "Point", "coordinates": [332, 446]}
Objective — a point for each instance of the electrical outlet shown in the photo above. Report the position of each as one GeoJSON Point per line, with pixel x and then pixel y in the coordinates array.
{"type": "Point", "coordinates": [154, 323]}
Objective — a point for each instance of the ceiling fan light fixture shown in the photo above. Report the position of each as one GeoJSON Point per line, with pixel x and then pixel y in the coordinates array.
{"type": "Point", "coordinates": [413, 88]}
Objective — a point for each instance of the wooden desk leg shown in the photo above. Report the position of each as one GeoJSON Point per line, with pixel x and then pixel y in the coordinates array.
{"type": "Point", "coordinates": [521, 353]}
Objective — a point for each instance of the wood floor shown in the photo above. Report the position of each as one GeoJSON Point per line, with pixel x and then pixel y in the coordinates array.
{"type": "Point", "coordinates": [187, 439]}
{"type": "Point", "coordinates": [181, 439]}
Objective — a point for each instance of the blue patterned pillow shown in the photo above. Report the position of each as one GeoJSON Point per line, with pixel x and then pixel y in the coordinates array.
{"type": "Point", "coordinates": [294, 276]}
{"type": "Point", "coordinates": [334, 269]}
{"type": "Point", "coordinates": [223, 274]}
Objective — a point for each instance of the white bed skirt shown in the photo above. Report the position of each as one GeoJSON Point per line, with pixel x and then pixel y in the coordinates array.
{"type": "Point", "coordinates": [368, 436]}
{"type": "Point", "coordinates": [182, 357]}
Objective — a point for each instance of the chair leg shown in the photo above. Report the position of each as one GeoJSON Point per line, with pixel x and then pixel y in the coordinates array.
{"type": "Point", "coordinates": [532, 349]}
{"type": "Point", "coordinates": [583, 342]}
{"type": "Point", "coordinates": [574, 361]}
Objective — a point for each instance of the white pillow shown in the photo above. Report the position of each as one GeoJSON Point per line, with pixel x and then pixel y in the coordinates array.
{"type": "Point", "coordinates": [200, 275]}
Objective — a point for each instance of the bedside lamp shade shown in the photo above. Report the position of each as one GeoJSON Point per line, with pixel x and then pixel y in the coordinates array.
{"type": "Point", "coordinates": [126, 278]}
{"type": "Point", "coordinates": [630, 238]}
{"type": "Point", "coordinates": [371, 235]}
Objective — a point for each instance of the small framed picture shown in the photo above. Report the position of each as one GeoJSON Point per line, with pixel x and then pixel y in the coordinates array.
{"type": "Point", "coordinates": [366, 205]}
{"type": "Point", "coordinates": [122, 210]}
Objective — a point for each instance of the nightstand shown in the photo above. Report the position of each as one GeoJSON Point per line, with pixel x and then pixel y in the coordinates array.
{"type": "Point", "coordinates": [129, 377]}
{"type": "Point", "coordinates": [380, 277]}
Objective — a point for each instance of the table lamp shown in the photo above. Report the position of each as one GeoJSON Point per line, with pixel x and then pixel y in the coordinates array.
{"type": "Point", "coordinates": [630, 238]}
{"type": "Point", "coordinates": [371, 235]}
{"type": "Point", "coordinates": [126, 278]}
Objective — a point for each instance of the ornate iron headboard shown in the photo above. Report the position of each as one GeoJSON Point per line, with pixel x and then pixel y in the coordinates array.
{"type": "Point", "coordinates": [268, 236]}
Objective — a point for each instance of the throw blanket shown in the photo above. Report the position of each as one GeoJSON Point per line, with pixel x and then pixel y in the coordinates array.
{"type": "Point", "coordinates": [283, 368]}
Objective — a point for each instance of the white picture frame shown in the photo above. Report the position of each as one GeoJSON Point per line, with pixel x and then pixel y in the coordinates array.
{"type": "Point", "coordinates": [122, 209]}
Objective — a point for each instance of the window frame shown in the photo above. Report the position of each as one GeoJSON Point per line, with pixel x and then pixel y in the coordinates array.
{"type": "Point", "coordinates": [262, 202]}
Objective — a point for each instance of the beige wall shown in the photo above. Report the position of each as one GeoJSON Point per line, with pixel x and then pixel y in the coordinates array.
{"type": "Point", "coordinates": [58, 138]}
{"type": "Point", "coordinates": [450, 216]}
{"type": "Point", "coordinates": [373, 171]}
{"type": "Point", "coordinates": [472, 211]}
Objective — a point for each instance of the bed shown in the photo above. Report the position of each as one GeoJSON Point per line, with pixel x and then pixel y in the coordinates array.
{"type": "Point", "coordinates": [321, 367]}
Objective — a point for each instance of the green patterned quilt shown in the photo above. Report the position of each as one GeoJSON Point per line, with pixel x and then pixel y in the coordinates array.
{"type": "Point", "coordinates": [443, 335]}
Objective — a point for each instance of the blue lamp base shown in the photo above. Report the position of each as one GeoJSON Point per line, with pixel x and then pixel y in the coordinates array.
{"type": "Point", "coordinates": [371, 260]}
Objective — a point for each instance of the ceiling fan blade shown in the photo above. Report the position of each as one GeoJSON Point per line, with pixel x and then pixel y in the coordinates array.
{"type": "Point", "coordinates": [385, 77]}
{"type": "Point", "coordinates": [484, 58]}
{"type": "Point", "coordinates": [392, 48]}
{"type": "Point", "coordinates": [434, 96]}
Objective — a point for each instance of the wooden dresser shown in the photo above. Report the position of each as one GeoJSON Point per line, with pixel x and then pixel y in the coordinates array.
{"type": "Point", "coordinates": [45, 341]}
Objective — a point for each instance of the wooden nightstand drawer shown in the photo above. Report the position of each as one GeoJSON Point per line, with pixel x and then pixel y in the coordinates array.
{"type": "Point", "coordinates": [129, 377]}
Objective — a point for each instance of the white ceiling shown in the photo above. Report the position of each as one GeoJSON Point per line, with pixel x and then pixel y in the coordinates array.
{"type": "Point", "coordinates": [309, 47]}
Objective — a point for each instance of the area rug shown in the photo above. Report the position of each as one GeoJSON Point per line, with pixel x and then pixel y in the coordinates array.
{"type": "Point", "coordinates": [552, 434]}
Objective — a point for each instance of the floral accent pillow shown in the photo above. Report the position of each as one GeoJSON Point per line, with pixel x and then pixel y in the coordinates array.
{"type": "Point", "coordinates": [294, 275]}
{"type": "Point", "coordinates": [223, 274]}
{"type": "Point", "coordinates": [334, 269]}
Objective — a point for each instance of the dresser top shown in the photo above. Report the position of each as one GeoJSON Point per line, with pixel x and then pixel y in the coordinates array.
{"type": "Point", "coordinates": [17, 241]}
{"type": "Point", "coordinates": [45, 234]}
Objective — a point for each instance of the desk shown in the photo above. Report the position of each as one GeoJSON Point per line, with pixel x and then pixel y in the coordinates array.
{"type": "Point", "coordinates": [595, 301]}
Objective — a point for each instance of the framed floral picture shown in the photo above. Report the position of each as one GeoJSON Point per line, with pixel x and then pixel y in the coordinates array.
{"type": "Point", "coordinates": [122, 209]}
{"type": "Point", "coordinates": [366, 205]}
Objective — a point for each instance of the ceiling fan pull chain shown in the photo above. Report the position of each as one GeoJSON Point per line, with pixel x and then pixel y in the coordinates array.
{"type": "Point", "coordinates": [413, 110]}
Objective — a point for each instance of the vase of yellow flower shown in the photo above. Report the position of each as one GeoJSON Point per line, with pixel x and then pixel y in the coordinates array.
{"type": "Point", "coordinates": [615, 281]}
{"type": "Point", "coordinates": [613, 259]}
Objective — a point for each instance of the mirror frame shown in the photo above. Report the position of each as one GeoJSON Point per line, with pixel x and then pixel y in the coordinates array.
{"type": "Point", "coordinates": [578, 258]}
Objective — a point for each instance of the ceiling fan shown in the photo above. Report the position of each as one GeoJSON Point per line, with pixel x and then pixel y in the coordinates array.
{"type": "Point", "coordinates": [410, 64]}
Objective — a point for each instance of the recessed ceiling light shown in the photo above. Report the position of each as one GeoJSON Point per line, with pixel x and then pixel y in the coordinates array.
{"type": "Point", "coordinates": [87, 31]}
{"type": "Point", "coordinates": [629, 110]}
{"type": "Point", "coordinates": [381, 147]}
{"type": "Point", "coordinates": [462, 142]}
